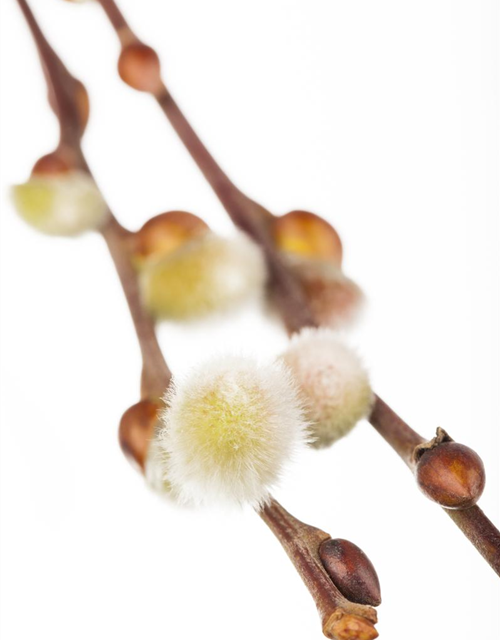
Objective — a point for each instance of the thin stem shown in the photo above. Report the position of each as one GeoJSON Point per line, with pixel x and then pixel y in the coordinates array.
{"type": "Point", "coordinates": [156, 374]}
{"type": "Point", "coordinates": [481, 532]}
{"type": "Point", "coordinates": [289, 295]}
{"type": "Point", "coordinates": [246, 214]}
{"type": "Point", "coordinates": [61, 84]}
{"type": "Point", "coordinates": [395, 431]}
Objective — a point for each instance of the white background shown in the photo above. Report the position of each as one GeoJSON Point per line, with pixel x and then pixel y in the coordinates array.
{"type": "Point", "coordinates": [381, 116]}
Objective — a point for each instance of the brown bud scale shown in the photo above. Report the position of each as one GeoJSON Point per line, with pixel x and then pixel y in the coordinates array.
{"type": "Point", "coordinates": [451, 474]}
{"type": "Point", "coordinates": [166, 232]}
{"type": "Point", "coordinates": [306, 234]}
{"type": "Point", "coordinates": [351, 571]}
{"type": "Point", "coordinates": [52, 164]}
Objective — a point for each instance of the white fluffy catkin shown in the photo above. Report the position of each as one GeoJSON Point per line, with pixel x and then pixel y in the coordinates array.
{"type": "Point", "coordinates": [64, 205]}
{"type": "Point", "coordinates": [206, 275]}
{"type": "Point", "coordinates": [333, 382]}
{"type": "Point", "coordinates": [229, 429]}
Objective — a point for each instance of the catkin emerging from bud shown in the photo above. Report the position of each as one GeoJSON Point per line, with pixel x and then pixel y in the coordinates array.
{"type": "Point", "coordinates": [333, 382]}
{"type": "Point", "coordinates": [229, 430]}
{"type": "Point", "coordinates": [65, 204]}
{"type": "Point", "coordinates": [205, 275]}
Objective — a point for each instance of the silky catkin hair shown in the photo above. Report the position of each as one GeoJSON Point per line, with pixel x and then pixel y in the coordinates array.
{"type": "Point", "coordinates": [333, 383]}
{"type": "Point", "coordinates": [229, 429]}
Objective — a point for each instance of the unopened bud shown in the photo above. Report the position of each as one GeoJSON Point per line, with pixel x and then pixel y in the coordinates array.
{"type": "Point", "coordinates": [139, 67]}
{"type": "Point", "coordinates": [451, 474]}
{"type": "Point", "coordinates": [79, 104]}
{"type": "Point", "coordinates": [351, 571]}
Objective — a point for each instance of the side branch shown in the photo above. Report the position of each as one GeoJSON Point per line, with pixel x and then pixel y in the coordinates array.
{"type": "Point", "coordinates": [62, 86]}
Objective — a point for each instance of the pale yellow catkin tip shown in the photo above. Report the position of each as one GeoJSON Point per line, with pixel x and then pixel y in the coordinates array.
{"type": "Point", "coordinates": [229, 429]}
{"type": "Point", "coordinates": [205, 275]}
{"type": "Point", "coordinates": [67, 204]}
{"type": "Point", "coordinates": [333, 382]}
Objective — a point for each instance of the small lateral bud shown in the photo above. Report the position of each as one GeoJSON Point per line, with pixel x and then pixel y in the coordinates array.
{"type": "Point", "coordinates": [351, 571]}
{"type": "Point", "coordinates": [166, 232]}
{"type": "Point", "coordinates": [306, 234]}
{"type": "Point", "coordinates": [137, 428]}
{"type": "Point", "coordinates": [451, 474]}
{"type": "Point", "coordinates": [79, 104]}
{"type": "Point", "coordinates": [139, 67]}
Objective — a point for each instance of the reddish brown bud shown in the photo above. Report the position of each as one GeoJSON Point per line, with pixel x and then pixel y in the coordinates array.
{"type": "Point", "coordinates": [136, 430]}
{"type": "Point", "coordinates": [139, 67]}
{"type": "Point", "coordinates": [351, 571]}
{"type": "Point", "coordinates": [165, 233]}
{"type": "Point", "coordinates": [306, 234]}
{"type": "Point", "coordinates": [451, 474]}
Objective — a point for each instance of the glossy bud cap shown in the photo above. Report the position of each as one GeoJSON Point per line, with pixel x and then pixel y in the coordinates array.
{"type": "Point", "coordinates": [136, 431]}
{"type": "Point", "coordinates": [306, 234]}
{"type": "Point", "coordinates": [139, 67]}
{"type": "Point", "coordinates": [450, 473]}
{"type": "Point", "coordinates": [53, 164]}
{"type": "Point", "coordinates": [166, 232]}
{"type": "Point", "coordinates": [351, 571]}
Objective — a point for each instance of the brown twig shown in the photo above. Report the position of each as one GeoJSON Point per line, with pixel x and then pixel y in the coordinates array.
{"type": "Point", "coordinates": [287, 290]}
{"type": "Point", "coordinates": [156, 374]}
{"type": "Point", "coordinates": [341, 619]}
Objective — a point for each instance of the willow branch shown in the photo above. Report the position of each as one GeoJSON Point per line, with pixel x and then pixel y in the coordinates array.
{"type": "Point", "coordinates": [288, 293]}
{"type": "Point", "coordinates": [341, 619]}
{"type": "Point", "coordinates": [156, 374]}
